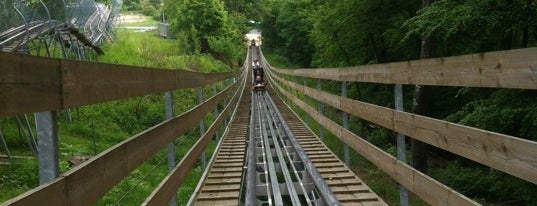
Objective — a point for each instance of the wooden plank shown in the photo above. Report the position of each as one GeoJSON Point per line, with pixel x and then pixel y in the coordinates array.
{"type": "Point", "coordinates": [33, 84]}
{"type": "Point", "coordinates": [502, 69]}
{"type": "Point", "coordinates": [88, 182]}
{"type": "Point", "coordinates": [53, 193]}
{"type": "Point", "coordinates": [376, 114]}
{"type": "Point", "coordinates": [509, 154]}
{"type": "Point", "coordinates": [379, 115]}
{"type": "Point", "coordinates": [29, 84]}
{"type": "Point", "coordinates": [169, 185]}
{"type": "Point", "coordinates": [322, 73]}
{"type": "Point", "coordinates": [418, 182]}
{"type": "Point", "coordinates": [106, 82]}
{"type": "Point", "coordinates": [210, 78]}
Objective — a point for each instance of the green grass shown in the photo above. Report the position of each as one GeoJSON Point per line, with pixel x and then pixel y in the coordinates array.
{"type": "Point", "coordinates": [147, 49]}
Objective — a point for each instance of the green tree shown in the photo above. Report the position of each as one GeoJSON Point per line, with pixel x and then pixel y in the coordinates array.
{"type": "Point", "coordinates": [131, 5]}
{"type": "Point", "coordinates": [147, 8]}
{"type": "Point", "coordinates": [208, 28]}
{"type": "Point", "coordinates": [350, 32]}
{"type": "Point", "coordinates": [228, 46]}
{"type": "Point", "coordinates": [291, 28]}
{"type": "Point", "coordinates": [464, 26]}
{"type": "Point", "coordinates": [205, 17]}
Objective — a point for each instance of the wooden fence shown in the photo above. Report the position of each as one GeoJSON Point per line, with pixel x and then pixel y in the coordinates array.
{"type": "Point", "coordinates": [503, 69]}
{"type": "Point", "coordinates": [32, 84]}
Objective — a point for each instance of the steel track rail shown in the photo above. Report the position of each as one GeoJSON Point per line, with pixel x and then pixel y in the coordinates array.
{"type": "Point", "coordinates": [250, 194]}
{"type": "Point", "coordinates": [347, 188]}
{"type": "Point", "coordinates": [284, 163]}
{"type": "Point", "coordinates": [276, 137]}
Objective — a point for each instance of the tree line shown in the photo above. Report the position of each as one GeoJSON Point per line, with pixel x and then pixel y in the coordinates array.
{"type": "Point", "coordinates": [317, 33]}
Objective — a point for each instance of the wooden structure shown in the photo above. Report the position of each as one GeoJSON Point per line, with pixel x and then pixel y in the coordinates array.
{"type": "Point", "coordinates": [503, 69]}
{"type": "Point", "coordinates": [34, 84]}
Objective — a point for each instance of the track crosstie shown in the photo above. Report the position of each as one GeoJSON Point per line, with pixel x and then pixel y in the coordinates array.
{"type": "Point", "coordinates": [223, 182]}
{"type": "Point", "coordinates": [346, 186]}
{"type": "Point", "coordinates": [291, 165]}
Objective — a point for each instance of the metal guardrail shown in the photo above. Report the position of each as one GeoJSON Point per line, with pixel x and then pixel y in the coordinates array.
{"type": "Point", "coordinates": [73, 26]}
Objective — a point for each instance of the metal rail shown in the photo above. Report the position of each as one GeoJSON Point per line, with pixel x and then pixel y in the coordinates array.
{"type": "Point", "coordinates": [347, 188]}
{"type": "Point", "coordinates": [283, 163]}
{"type": "Point", "coordinates": [325, 191]}
{"type": "Point", "coordinates": [51, 24]}
{"type": "Point", "coordinates": [250, 198]}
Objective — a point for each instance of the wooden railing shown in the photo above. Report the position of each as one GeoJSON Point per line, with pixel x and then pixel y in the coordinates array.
{"type": "Point", "coordinates": [32, 84]}
{"type": "Point", "coordinates": [504, 69]}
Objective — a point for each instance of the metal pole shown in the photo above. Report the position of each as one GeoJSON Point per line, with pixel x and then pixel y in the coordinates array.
{"type": "Point", "coordinates": [30, 129]}
{"type": "Point", "coordinates": [22, 132]}
{"type": "Point", "coordinates": [296, 95]}
{"type": "Point", "coordinates": [202, 127]}
{"type": "Point", "coordinates": [47, 143]}
{"type": "Point", "coordinates": [5, 146]}
{"type": "Point", "coordinates": [307, 116]}
{"type": "Point", "coordinates": [225, 118]}
{"type": "Point", "coordinates": [93, 139]}
{"type": "Point", "coordinates": [320, 109]}
{"type": "Point", "coordinates": [401, 148]}
{"type": "Point", "coordinates": [168, 106]}
{"type": "Point", "coordinates": [345, 123]}
{"type": "Point", "coordinates": [68, 115]}
{"type": "Point", "coordinates": [251, 194]}
{"type": "Point", "coordinates": [215, 111]}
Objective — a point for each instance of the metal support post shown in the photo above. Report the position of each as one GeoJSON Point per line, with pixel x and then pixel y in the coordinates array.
{"type": "Point", "coordinates": [345, 123]}
{"type": "Point", "coordinates": [320, 109]}
{"type": "Point", "coordinates": [168, 104]}
{"type": "Point", "coordinates": [47, 146]}
{"type": "Point", "coordinates": [215, 112]}
{"type": "Point", "coordinates": [401, 146]}
{"type": "Point", "coordinates": [68, 116]}
{"type": "Point", "coordinates": [202, 127]}
{"type": "Point", "coordinates": [305, 101]}
{"type": "Point", "coordinates": [296, 95]}
{"type": "Point", "coordinates": [225, 118]}
{"type": "Point", "coordinates": [93, 139]}
{"type": "Point", "coordinates": [29, 139]}
{"type": "Point", "coordinates": [5, 146]}
{"type": "Point", "coordinates": [29, 128]}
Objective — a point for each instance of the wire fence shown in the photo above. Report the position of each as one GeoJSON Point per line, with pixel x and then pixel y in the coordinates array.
{"type": "Point", "coordinates": [24, 21]}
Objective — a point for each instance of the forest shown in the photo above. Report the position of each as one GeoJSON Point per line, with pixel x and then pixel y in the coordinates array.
{"type": "Point", "coordinates": [327, 33]}
{"type": "Point", "coordinates": [321, 33]}
{"type": "Point", "coordinates": [312, 33]}
{"type": "Point", "coordinates": [316, 33]}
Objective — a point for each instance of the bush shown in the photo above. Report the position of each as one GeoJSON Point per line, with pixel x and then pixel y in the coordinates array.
{"type": "Point", "coordinates": [485, 183]}
{"type": "Point", "coordinates": [147, 8]}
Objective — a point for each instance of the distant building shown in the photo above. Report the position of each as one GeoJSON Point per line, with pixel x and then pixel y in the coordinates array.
{"type": "Point", "coordinates": [164, 31]}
